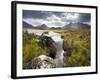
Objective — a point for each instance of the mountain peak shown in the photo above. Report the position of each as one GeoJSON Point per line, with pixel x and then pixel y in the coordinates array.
{"type": "Point", "coordinates": [77, 26]}
{"type": "Point", "coordinates": [27, 25]}
{"type": "Point", "coordinates": [43, 26]}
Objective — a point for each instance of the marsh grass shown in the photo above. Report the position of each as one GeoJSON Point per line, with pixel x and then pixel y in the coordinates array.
{"type": "Point", "coordinates": [78, 40]}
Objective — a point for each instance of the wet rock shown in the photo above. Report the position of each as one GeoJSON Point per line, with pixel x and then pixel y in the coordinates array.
{"type": "Point", "coordinates": [42, 62]}
{"type": "Point", "coordinates": [50, 44]}
{"type": "Point", "coordinates": [65, 46]}
{"type": "Point", "coordinates": [46, 41]}
{"type": "Point", "coordinates": [52, 50]}
{"type": "Point", "coordinates": [67, 49]}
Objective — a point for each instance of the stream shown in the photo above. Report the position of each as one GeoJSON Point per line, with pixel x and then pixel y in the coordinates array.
{"type": "Point", "coordinates": [59, 45]}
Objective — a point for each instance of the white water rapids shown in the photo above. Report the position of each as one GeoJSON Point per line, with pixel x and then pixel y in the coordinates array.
{"type": "Point", "coordinates": [59, 45]}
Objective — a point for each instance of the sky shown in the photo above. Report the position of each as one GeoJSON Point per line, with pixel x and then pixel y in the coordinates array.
{"type": "Point", "coordinates": [55, 19]}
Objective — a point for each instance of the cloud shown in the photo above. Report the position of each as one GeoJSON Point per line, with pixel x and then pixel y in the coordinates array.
{"type": "Point", "coordinates": [54, 19]}
{"type": "Point", "coordinates": [73, 17]}
{"type": "Point", "coordinates": [86, 18]}
{"type": "Point", "coordinates": [34, 22]}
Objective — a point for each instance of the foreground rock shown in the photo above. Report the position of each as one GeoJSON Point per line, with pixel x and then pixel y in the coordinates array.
{"type": "Point", "coordinates": [42, 62]}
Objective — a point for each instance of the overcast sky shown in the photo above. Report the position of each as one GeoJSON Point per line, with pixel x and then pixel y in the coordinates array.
{"type": "Point", "coordinates": [54, 19]}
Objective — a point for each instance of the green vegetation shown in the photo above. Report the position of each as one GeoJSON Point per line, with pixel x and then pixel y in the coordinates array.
{"type": "Point", "coordinates": [31, 47]}
{"type": "Point", "coordinates": [78, 40]}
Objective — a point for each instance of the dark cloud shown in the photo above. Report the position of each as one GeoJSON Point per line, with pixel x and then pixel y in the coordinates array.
{"type": "Point", "coordinates": [54, 19]}
{"type": "Point", "coordinates": [84, 17]}
{"type": "Point", "coordinates": [34, 14]}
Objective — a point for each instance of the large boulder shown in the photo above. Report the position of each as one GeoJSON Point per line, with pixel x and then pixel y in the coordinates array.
{"type": "Point", "coordinates": [46, 41]}
{"type": "Point", "coordinates": [52, 50]}
{"type": "Point", "coordinates": [42, 62]}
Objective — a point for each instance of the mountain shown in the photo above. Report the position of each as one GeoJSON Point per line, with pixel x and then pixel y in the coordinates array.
{"type": "Point", "coordinates": [43, 26]}
{"type": "Point", "coordinates": [77, 26]}
{"type": "Point", "coordinates": [27, 26]}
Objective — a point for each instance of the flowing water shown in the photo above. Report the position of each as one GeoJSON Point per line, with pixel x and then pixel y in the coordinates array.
{"type": "Point", "coordinates": [59, 45]}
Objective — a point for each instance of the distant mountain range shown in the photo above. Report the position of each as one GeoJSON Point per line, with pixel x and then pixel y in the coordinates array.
{"type": "Point", "coordinates": [29, 26]}
{"type": "Point", "coordinates": [77, 26]}
{"type": "Point", "coordinates": [68, 26]}
{"type": "Point", "coordinates": [43, 26]}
